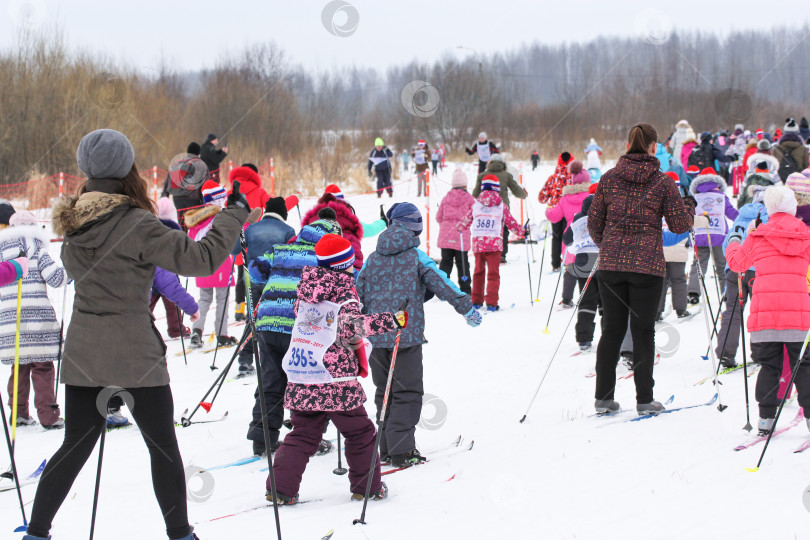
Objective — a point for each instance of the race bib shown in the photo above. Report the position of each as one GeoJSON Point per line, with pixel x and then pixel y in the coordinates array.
{"type": "Point", "coordinates": [419, 157]}
{"type": "Point", "coordinates": [487, 220]}
{"type": "Point", "coordinates": [484, 152]}
{"type": "Point", "coordinates": [582, 238]}
{"type": "Point", "coordinates": [314, 331]}
{"type": "Point", "coordinates": [714, 206]}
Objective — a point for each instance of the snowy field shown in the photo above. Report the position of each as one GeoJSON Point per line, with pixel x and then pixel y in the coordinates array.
{"type": "Point", "coordinates": [560, 475]}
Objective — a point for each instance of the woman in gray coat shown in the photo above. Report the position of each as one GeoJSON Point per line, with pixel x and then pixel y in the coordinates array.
{"type": "Point", "coordinates": [113, 242]}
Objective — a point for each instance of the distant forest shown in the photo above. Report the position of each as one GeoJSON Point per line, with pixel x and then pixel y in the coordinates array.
{"type": "Point", "coordinates": [321, 125]}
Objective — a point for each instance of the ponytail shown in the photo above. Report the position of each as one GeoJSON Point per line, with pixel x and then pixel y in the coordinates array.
{"type": "Point", "coordinates": [640, 138]}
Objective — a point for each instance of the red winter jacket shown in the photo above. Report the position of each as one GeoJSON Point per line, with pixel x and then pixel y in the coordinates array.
{"type": "Point", "coordinates": [250, 186]}
{"type": "Point", "coordinates": [352, 228]}
{"type": "Point", "coordinates": [780, 252]}
{"type": "Point", "coordinates": [552, 191]}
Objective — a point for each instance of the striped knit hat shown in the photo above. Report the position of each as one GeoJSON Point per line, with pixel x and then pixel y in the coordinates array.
{"type": "Point", "coordinates": [491, 183]}
{"type": "Point", "coordinates": [674, 176]}
{"type": "Point", "coordinates": [213, 193]}
{"type": "Point", "coordinates": [692, 171]}
{"type": "Point", "coordinates": [334, 190]}
{"type": "Point", "coordinates": [334, 252]}
{"type": "Point", "coordinates": [800, 184]}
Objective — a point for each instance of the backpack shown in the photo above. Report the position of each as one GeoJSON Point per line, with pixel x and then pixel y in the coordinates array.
{"type": "Point", "coordinates": [701, 157]}
{"type": "Point", "coordinates": [787, 165]}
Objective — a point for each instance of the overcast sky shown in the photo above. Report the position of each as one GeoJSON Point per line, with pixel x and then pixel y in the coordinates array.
{"type": "Point", "coordinates": [193, 34]}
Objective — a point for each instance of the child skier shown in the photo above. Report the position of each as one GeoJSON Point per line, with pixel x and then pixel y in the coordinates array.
{"type": "Point", "coordinates": [328, 335]}
{"type": "Point", "coordinates": [484, 149]}
{"type": "Point", "coordinates": [380, 160]}
{"type": "Point", "coordinates": [39, 330]}
{"type": "Point", "coordinates": [550, 194]}
{"type": "Point", "coordinates": [585, 252]}
{"type": "Point", "coordinates": [486, 220]}
{"type": "Point", "coordinates": [420, 156]}
{"type": "Point", "coordinates": [708, 189]}
{"type": "Point", "coordinates": [564, 211]}
{"type": "Point", "coordinates": [396, 271]}
{"type": "Point", "coordinates": [168, 216]}
{"type": "Point", "coordinates": [455, 245]}
{"type": "Point", "coordinates": [780, 316]}
{"type": "Point", "coordinates": [199, 223]}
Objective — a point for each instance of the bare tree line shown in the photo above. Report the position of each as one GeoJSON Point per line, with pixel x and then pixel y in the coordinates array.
{"type": "Point", "coordinates": [320, 125]}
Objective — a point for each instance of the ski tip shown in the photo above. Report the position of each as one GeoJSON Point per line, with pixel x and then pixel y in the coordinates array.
{"type": "Point", "coordinates": [472, 443]}
{"type": "Point", "coordinates": [328, 535]}
{"type": "Point", "coordinates": [706, 357]}
{"type": "Point", "coordinates": [522, 419]}
{"type": "Point", "coordinates": [21, 528]}
{"type": "Point", "coordinates": [546, 331]}
{"type": "Point", "coordinates": [755, 469]}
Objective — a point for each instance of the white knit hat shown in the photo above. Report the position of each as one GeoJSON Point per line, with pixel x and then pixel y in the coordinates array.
{"type": "Point", "coordinates": [780, 199]}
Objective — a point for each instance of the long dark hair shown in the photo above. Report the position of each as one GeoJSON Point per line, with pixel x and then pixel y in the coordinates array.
{"type": "Point", "coordinates": [640, 138]}
{"type": "Point", "coordinates": [133, 186]}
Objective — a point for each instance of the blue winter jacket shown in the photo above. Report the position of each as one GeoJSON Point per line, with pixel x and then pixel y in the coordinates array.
{"type": "Point", "coordinates": [748, 213]}
{"type": "Point", "coordinates": [398, 270]}
{"type": "Point", "coordinates": [663, 156]}
{"type": "Point", "coordinates": [264, 235]}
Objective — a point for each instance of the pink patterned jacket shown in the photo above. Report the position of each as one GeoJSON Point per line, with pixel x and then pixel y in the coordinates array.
{"type": "Point", "coordinates": [316, 285]}
{"type": "Point", "coordinates": [484, 244]}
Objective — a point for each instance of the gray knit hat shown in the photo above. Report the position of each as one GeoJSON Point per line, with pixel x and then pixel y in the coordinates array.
{"type": "Point", "coordinates": [105, 153]}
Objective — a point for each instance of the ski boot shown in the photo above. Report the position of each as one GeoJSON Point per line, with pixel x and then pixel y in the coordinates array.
{"type": "Point", "coordinates": [378, 495]}
{"type": "Point", "coordinates": [765, 425]}
{"type": "Point", "coordinates": [585, 346]}
{"type": "Point", "coordinates": [654, 407]}
{"type": "Point", "coordinates": [627, 360]}
{"type": "Point", "coordinates": [281, 500]}
{"type": "Point", "coordinates": [493, 308]}
{"type": "Point", "coordinates": [407, 459]}
{"type": "Point", "coordinates": [239, 312]}
{"type": "Point", "coordinates": [23, 421]}
{"type": "Point", "coordinates": [566, 304]}
{"type": "Point", "coordinates": [115, 419]}
{"type": "Point", "coordinates": [196, 339]}
{"type": "Point", "coordinates": [385, 459]}
{"type": "Point", "coordinates": [287, 424]}
{"type": "Point", "coordinates": [503, 259]}
{"type": "Point", "coordinates": [191, 536]}
{"type": "Point", "coordinates": [693, 298]}
{"type": "Point", "coordinates": [727, 361]}
{"type": "Point", "coordinates": [245, 370]}
{"type": "Point", "coordinates": [477, 306]}
{"type": "Point", "coordinates": [324, 448]}
{"type": "Point", "coordinates": [226, 341]}
{"type": "Point", "coordinates": [59, 424]}
{"type": "Point", "coordinates": [607, 406]}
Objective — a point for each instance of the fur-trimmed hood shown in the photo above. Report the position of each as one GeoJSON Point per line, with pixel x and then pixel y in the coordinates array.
{"type": "Point", "coordinates": [705, 180]}
{"type": "Point", "coordinates": [575, 188]}
{"type": "Point", "coordinates": [198, 215]}
{"type": "Point", "coordinates": [70, 214]}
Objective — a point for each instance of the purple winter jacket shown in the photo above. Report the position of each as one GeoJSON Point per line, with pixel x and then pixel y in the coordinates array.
{"type": "Point", "coordinates": [168, 284]}
{"type": "Point", "coordinates": [803, 213]}
{"type": "Point", "coordinates": [712, 183]}
{"type": "Point", "coordinates": [455, 205]}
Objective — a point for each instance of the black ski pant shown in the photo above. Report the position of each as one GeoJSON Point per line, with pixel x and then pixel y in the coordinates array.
{"type": "Point", "coordinates": [272, 348]}
{"type": "Point", "coordinates": [459, 258]}
{"type": "Point", "coordinates": [771, 356]}
{"type": "Point", "coordinates": [482, 166]}
{"type": "Point", "coordinates": [404, 401]}
{"type": "Point", "coordinates": [384, 182]}
{"type": "Point", "coordinates": [240, 284]}
{"type": "Point", "coordinates": [435, 164]}
{"type": "Point", "coordinates": [569, 284]}
{"type": "Point", "coordinates": [246, 354]}
{"type": "Point", "coordinates": [588, 305]}
{"type": "Point", "coordinates": [153, 410]}
{"type": "Point", "coordinates": [636, 295]}
{"type": "Point", "coordinates": [729, 333]}
{"type": "Point", "coordinates": [557, 230]}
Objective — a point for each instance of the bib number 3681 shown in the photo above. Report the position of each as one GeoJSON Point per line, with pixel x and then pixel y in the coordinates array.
{"type": "Point", "coordinates": [301, 358]}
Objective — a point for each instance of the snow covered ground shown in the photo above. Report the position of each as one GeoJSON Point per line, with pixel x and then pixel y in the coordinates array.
{"type": "Point", "coordinates": [561, 474]}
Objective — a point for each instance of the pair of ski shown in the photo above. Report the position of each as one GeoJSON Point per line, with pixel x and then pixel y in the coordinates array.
{"type": "Point", "coordinates": [754, 369]}
{"type": "Point", "coordinates": [709, 403]}
{"type": "Point", "coordinates": [485, 311]}
{"type": "Point", "coordinates": [762, 438]}
{"type": "Point", "coordinates": [189, 350]}
{"type": "Point", "coordinates": [456, 447]}
{"type": "Point", "coordinates": [185, 423]}
{"type": "Point", "coordinates": [32, 478]}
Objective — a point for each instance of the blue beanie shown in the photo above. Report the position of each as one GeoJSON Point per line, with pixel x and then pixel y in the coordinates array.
{"type": "Point", "coordinates": [406, 214]}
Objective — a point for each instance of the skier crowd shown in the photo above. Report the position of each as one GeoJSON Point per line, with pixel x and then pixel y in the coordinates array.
{"type": "Point", "coordinates": [320, 314]}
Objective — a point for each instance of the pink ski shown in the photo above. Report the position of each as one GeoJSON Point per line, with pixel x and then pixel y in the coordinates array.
{"type": "Point", "coordinates": [758, 439]}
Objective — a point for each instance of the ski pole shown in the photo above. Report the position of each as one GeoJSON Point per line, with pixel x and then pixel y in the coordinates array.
{"type": "Point", "coordinates": [784, 400]}
{"type": "Point", "coordinates": [554, 296]}
{"type": "Point", "coordinates": [55, 404]}
{"type": "Point", "coordinates": [262, 402]}
{"type": "Point", "coordinates": [98, 480]}
{"type": "Point", "coordinates": [182, 339]}
{"type": "Point", "coordinates": [542, 258]}
{"type": "Point", "coordinates": [714, 263]}
{"type": "Point", "coordinates": [715, 319]}
{"type": "Point", "coordinates": [747, 427]}
{"type": "Point", "coordinates": [381, 420]}
{"type": "Point", "coordinates": [528, 263]}
{"type": "Point", "coordinates": [213, 365]}
{"type": "Point", "coordinates": [15, 398]}
{"type": "Point", "coordinates": [463, 256]}
{"type": "Point", "coordinates": [15, 477]}
{"type": "Point", "coordinates": [723, 348]}
{"type": "Point", "coordinates": [720, 406]}
{"type": "Point", "coordinates": [340, 470]}
{"type": "Point", "coordinates": [554, 355]}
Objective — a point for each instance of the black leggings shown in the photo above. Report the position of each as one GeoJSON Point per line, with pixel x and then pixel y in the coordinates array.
{"type": "Point", "coordinates": [153, 410]}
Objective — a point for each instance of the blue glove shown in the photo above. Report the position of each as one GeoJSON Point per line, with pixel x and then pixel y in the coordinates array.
{"type": "Point", "coordinates": [473, 317]}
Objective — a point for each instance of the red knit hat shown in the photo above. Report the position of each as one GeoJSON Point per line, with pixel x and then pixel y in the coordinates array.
{"type": "Point", "coordinates": [708, 170]}
{"type": "Point", "coordinates": [213, 192]}
{"type": "Point", "coordinates": [593, 187]}
{"type": "Point", "coordinates": [334, 190]}
{"type": "Point", "coordinates": [674, 176]}
{"type": "Point", "coordinates": [334, 252]}
{"type": "Point", "coordinates": [491, 183]}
